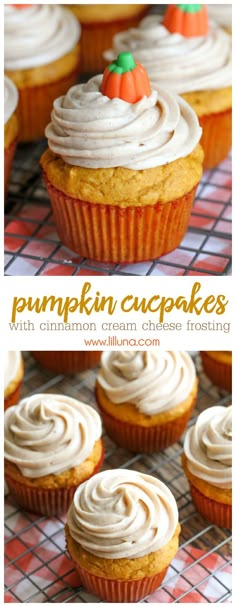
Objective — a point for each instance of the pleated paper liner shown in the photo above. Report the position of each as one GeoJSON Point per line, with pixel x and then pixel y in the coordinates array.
{"type": "Point", "coordinates": [48, 502]}
{"type": "Point", "coordinates": [13, 398]}
{"type": "Point", "coordinates": [215, 512]}
{"type": "Point", "coordinates": [142, 439]}
{"type": "Point", "coordinates": [218, 372]}
{"type": "Point", "coordinates": [109, 233]}
{"type": "Point", "coordinates": [67, 362]}
{"type": "Point", "coordinates": [8, 158]}
{"type": "Point", "coordinates": [216, 138]}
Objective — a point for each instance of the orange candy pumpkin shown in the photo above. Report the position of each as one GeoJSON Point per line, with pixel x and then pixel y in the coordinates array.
{"type": "Point", "coordinates": [187, 19]}
{"type": "Point", "coordinates": [125, 79]}
{"type": "Point", "coordinates": [21, 5]}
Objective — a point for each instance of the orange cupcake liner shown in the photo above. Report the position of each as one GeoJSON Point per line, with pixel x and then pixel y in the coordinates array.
{"type": "Point", "coordinates": [109, 233]}
{"type": "Point", "coordinates": [48, 502]}
{"type": "Point", "coordinates": [145, 439]}
{"type": "Point", "coordinates": [13, 398]}
{"type": "Point", "coordinates": [218, 372]}
{"type": "Point", "coordinates": [36, 104]}
{"type": "Point", "coordinates": [8, 158]}
{"type": "Point", "coordinates": [216, 138]}
{"type": "Point", "coordinates": [67, 362]}
{"type": "Point", "coordinates": [97, 38]}
{"type": "Point", "coordinates": [215, 512]}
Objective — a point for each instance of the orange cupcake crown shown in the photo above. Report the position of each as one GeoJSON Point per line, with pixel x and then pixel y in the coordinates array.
{"type": "Point", "coordinates": [189, 20]}
{"type": "Point", "coordinates": [125, 79]}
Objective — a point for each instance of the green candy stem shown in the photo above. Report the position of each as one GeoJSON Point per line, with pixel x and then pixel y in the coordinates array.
{"type": "Point", "coordinates": [124, 63]}
{"type": "Point", "coordinates": [190, 8]}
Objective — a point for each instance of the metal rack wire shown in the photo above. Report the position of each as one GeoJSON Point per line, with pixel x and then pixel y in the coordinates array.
{"type": "Point", "coordinates": [37, 568]}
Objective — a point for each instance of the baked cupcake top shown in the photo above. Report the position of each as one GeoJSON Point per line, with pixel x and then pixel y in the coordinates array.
{"type": "Point", "coordinates": [208, 447]}
{"type": "Point", "coordinates": [122, 514]}
{"type": "Point", "coordinates": [176, 62]}
{"type": "Point", "coordinates": [37, 35]}
{"type": "Point", "coordinates": [90, 129]}
{"type": "Point", "coordinates": [10, 98]}
{"type": "Point", "coordinates": [221, 13]}
{"type": "Point", "coordinates": [12, 364]}
{"type": "Point", "coordinates": [49, 433]}
{"type": "Point", "coordinates": [153, 381]}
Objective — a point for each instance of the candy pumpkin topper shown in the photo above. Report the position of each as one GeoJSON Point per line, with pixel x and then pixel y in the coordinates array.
{"type": "Point", "coordinates": [187, 19]}
{"type": "Point", "coordinates": [126, 79]}
{"type": "Point", "coordinates": [19, 6]}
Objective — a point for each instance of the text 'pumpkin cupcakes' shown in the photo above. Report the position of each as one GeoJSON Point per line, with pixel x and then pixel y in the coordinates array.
{"type": "Point", "coordinates": [10, 127]}
{"type": "Point", "coordinates": [99, 24]}
{"type": "Point", "coordinates": [122, 533]}
{"type": "Point", "coordinates": [41, 56]}
{"type": "Point", "coordinates": [52, 444]}
{"type": "Point", "coordinates": [218, 367]}
{"type": "Point", "coordinates": [146, 398]}
{"type": "Point", "coordinates": [207, 462]}
{"type": "Point", "coordinates": [122, 166]}
{"type": "Point", "coordinates": [67, 361]}
{"type": "Point", "coordinates": [13, 376]}
{"type": "Point", "coordinates": [185, 54]}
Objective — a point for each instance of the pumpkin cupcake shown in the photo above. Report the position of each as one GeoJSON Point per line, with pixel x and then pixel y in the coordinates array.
{"type": "Point", "coordinates": [52, 444]}
{"type": "Point", "coordinates": [99, 24]}
{"type": "Point", "coordinates": [207, 462]}
{"type": "Point", "coordinates": [13, 376]}
{"type": "Point", "coordinates": [122, 166]}
{"type": "Point", "coordinates": [122, 532]}
{"type": "Point", "coordinates": [10, 127]}
{"type": "Point", "coordinates": [67, 362]}
{"type": "Point", "coordinates": [41, 56]}
{"type": "Point", "coordinates": [146, 398]}
{"type": "Point", "coordinates": [222, 14]}
{"type": "Point", "coordinates": [184, 54]}
{"type": "Point", "coordinates": [218, 367]}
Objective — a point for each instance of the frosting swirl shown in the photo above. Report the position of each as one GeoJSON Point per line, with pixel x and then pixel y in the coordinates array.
{"type": "Point", "coordinates": [221, 13]}
{"type": "Point", "coordinates": [38, 35]}
{"type": "Point", "coordinates": [122, 514]}
{"type": "Point", "coordinates": [90, 130]}
{"type": "Point", "coordinates": [12, 363]}
{"type": "Point", "coordinates": [208, 447]}
{"type": "Point", "coordinates": [175, 62]}
{"type": "Point", "coordinates": [153, 381]}
{"type": "Point", "coordinates": [49, 433]}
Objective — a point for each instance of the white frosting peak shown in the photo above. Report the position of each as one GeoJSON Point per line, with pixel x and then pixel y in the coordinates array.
{"type": "Point", "coordinates": [10, 98]}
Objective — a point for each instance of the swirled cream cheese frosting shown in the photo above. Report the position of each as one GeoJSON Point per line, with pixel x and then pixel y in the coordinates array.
{"type": "Point", "coordinates": [175, 62]}
{"type": "Point", "coordinates": [208, 447]}
{"type": "Point", "coordinates": [91, 130]}
{"type": "Point", "coordinates": [49, 433]}
{"type": "Point", "coordinates": [221, 13]}
{"type": "Point", "coordinates": [122, 514]}
{"type": "Point", "coordinates": [153, 381]}
{"type": "Point", "coordinates": [12, 363]}
{"type": "Point", "coordinates": [38, 35]}
{"type": "Point", "coordinates": [10, 98]}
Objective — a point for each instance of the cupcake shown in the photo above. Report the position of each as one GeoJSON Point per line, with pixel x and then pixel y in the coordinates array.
{"type": "Point", "coordinates": [67, 362]}
{"type": "Point", "coordinates": [52, 444]}
{"type": "Point", "coordinates": [218, 367]}
{"type": "Point", "coordinates": [207, 462]}
{"type": "Point", "coordinates": [194, 62]}
{"type": "Point", "coordinates": [122, 166]}
{"type": "Point", "coordinates": [122, 533]}
{"type": "Point", "coordinates": [13, 376]}
{"type": "Point", "coordinates": [10, 127]}
{"type": "Point", "coordinates": [146, 398]}
{"type": "Point", "coordinates": [41, 56]}
{"type": "Point", "coordinates": [99, 24]}
{"type": "Point", "coordinates": [222, 14]}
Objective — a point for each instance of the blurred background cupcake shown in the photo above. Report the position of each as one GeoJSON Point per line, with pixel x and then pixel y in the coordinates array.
{"type": "Point", "coordinates": [218, 367]}
{"type": "Point", "coordinates": [207, 462]}
{"type": "Point", "coordinates": [186, 54]}
{"type": "Point", "coordinates": [41, 56]}
{"type": "Point", "coordinates": [10, 127]}
{"type": "Point", "coordinates": [67, 362]}
{"type": "Point", "coordinates": [99, 24]}
{"type": "Point", "coordinates": [52, 443]}
{"type": "Point", "coordinates": [222, 14]}
{"type": "Point", "coordinates": [13, 376]}
{"type": "Point", "coordinates": [146, 398]}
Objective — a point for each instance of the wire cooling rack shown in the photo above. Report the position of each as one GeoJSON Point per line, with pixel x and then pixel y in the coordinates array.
{"type": "Point", "coordinates": [38, 569]}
